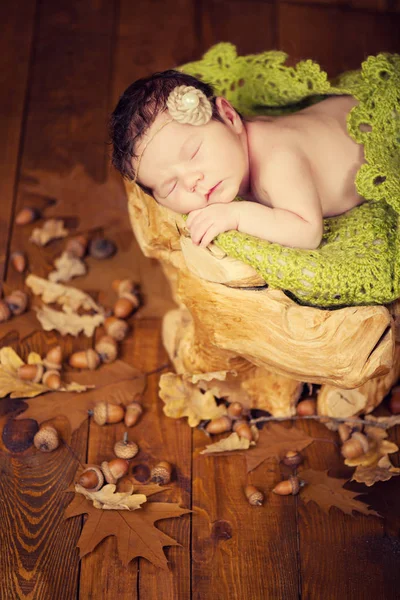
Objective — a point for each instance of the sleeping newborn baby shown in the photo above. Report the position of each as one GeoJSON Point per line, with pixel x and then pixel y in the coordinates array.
{"type": "Point", "coordinates": [194, 153]}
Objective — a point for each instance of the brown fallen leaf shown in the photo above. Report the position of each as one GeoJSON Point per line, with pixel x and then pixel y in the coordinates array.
{"type": "Point", "coordinates": [183, 399]}
{"type": "Point", "coordinates": [107, 498]}
{"type": "Point", "coordinates": [228, 444]}
{"type": "Point", "coordinates": [135, 532]}
{"type": "Point", "coordinates": [383, 470]}
{"type": "Point", "coordinates": [117, 382]}
{"type": "Point", "coordinates": [50, 230]}
{"type": "Point", "coordinates": [328, 491]}
{"type": "Point", "coordinates": [274, 441]}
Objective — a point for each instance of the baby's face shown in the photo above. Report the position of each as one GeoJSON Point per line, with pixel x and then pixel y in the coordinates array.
{"type": "Point", "coordinates": [188, 167]}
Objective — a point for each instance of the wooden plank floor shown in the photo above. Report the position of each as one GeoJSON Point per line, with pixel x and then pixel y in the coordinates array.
{"type": "Point", "coordinates": [63, 65]}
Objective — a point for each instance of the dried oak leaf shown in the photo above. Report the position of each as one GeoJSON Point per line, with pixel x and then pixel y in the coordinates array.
{"type": "Point", "coordinates": [274, 441]}
{"type": "Point", "coordinates": [230, 443]}
{"type": "Point", "coordinates": [108, 499]}
{"type": "Point", "coordinates": [67, 267]}
{"type": "Point", "coordinates": [68, 321]}
{"type": "Point", "coordinates": [328, 491]}
{"type": "Point", "coordinates": [183, 399]}
{"type": "Point", "coordinates": [62, 294]}
{"type": "Point", "coordinates": [52, 229]}
{"type": "Point", "coordinates": [11, 384]}
{"type": "Point", "coordinates": [134, 530]}
{"type": "Point", "coordinates": [117, 383]}
{"type": "Point", "coordinates": [78, 189]}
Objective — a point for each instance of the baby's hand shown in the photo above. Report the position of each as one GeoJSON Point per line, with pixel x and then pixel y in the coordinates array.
{"type": "Point", "coordinates": [206, 223]}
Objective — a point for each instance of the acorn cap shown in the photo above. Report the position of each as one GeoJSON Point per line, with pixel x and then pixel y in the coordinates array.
{"type": "Point", "coordinates": [126, 449]}
{"type": "Point", "coordinates": [161, 473]}
{"type": "Point", "coordinates": [46, 439]}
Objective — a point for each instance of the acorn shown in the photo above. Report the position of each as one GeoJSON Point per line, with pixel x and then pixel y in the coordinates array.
{"type": "Point", "coordinates": [132, 413]}
{"type": "Point", "coordinates": [219, 425]}
{"type": "Point", "coordinates": [356, 445]}
{"type": "Point", "coordinates": [77, 246]}
{"type": "Point", "coordinates": [125, 305]}
{"type": "Point", "coordinates": [289, 486]}
{"type": "Point", "coordinates": [344, 432]}
{"type": "Point", "coordinates": [104, 412]}
{"type": "Point", "coordinates": [5, 312]}
{"type": "Point", "coordinates": [46, 439]}
{"type": "Point", "coordinates": [254, 496]}
{"type": "Point", "coordinates": [18, 261]}
{"type": "Point", "coordinates": [107, 349]}
{"type": "Point", "coordinates": [122, 286]}
{"type": "Point", "coordinates": [91, 479]}
{"type": "Point", "coordinates": [125, 449]}
{"type": "Point", "coordinates": [292, 458]}
{"type": "Point", "coordinates": [53, 359]}
{"type": "Point", "coordinates": [307, 407]}
{"type": "Point", "coordinates": [52, 379]}
{"type": "Point", "coordinates": [86, 359]}
{"type": "Point", "coordinates": [235, 410]}
{"type": "Point", "coordinates": [32, 373]}
{"type": "Point", "coordinates": [161, 473]}
{"type": "Point", "coordinates": [101, 248]}
{"type": "Point", "coordinates": [17, 302]}
{"type": "Point", "coordinates": [114, 469]}
{"type": "Point", "coordinates": [27, 215]}
{"type": "Point", "coordinates": [243, 430]}
{"type": "Point", "coordinates": [116, 328]}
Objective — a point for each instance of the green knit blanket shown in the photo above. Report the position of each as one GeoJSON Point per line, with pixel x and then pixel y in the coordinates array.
{"type": "Point", "coordinates": [358, 259]}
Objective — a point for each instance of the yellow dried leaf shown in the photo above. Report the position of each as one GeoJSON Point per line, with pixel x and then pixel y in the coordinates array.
{"type": "Point", "coordinates": [232, 442]}
{"type": "Point", "coordinates": [380, 471]}
{"type": "Point", "coordinates": [67, 296]}
{"type": "Point", "coordinates": [220, 375]}
{"type": "Point", "coordinates": [108, 499]}
{"type": "Point", "coordinates": [183, 399]}
{"type": "Point", "coordinates": [67, 267]}
{"type": "Point", "coordinates": [34, 359]}
{"type": "Point", "coordinates": [68, 322]}
{"type": "Point", "coordinates": [9, 359]}
{"type": "Point", "coordinates": [51, 229]}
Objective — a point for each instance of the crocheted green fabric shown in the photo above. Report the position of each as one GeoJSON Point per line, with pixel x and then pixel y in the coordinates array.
{"type": "Point", "coordinates": [358, 260]}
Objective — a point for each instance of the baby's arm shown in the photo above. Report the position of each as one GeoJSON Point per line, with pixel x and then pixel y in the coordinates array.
{"type": "Point", "coordinates": [296, 217]}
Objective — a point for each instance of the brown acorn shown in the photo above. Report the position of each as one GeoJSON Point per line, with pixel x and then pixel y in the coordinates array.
{"type": "Point", "coordinates": [18, 261]}
{"type": "Point", "coordinates": [132, 413]}
{"type": "Point", "coordinates": [289, 486]}
{"type": "Point", "coordinates": [219, 425]}
{"type": "Point", "coordinates": [122, 286]}
{"type": "Point", "coordinates": [125, 449]}
{"type": "Point", "coordinates": [307, 407]}
{"type": "Point", "coordinates": [235, 410]}
{"type": "Point", "coordinates": [32, 373]}
{"type": "Point", "coordinates": [77, 246]}
{"type": "Point", "coordinates": [53, 359]}
{"type": "Point", "coordinates": [17, 302]}
{"type": "Point", "coordinates": [125, 305]}
{"type": "Point", "coordinates": [254, 496]}
{"type": "Point", "coordinates": [292, 458]}
{"type": "Point", "coordinates": [46, 439]}
{"type": "Point", "coordinates": [52, 379]}
{"type": "Point", "coordinates": [27, 215]}
{"type": "Point", "coordinates": [5, 312]}
{"type": "Point", "coordinates": [114, 469]}
{"type": "Point", "coordinates": [116, 328]}
{"type": "Point", "coordinates": [91, 479]}
{"type": "Point", "coordinates": [107, 349]}
{"type": "Point", "coordinates": [356, 445]}
{"type": "Point", "coordinates": [243, 430]}
{"type": "Point", "coordinates": [86, 359]}
{"type": "Point", "coordinates": [161, 473]}
{"type": "Point", "coordinates": [104, 412]}
{"type": "Point", "coordinates": [344, 432]}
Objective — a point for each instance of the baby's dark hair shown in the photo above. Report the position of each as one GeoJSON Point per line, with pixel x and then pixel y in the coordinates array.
{"type": "Point", "coordinates": [137, 109]}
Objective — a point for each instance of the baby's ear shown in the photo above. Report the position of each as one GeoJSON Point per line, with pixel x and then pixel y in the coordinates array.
{"type": "Point", "coordinates": [228, 113]}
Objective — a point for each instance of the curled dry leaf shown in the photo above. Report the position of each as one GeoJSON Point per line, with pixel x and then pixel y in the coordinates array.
{"type": "Point", "coordinates": [68, 321]}
{"type": "Point", "coordinates": [67, 267]}
{"type": "Point", "coordinates": [51, 230]}
{"type": "Point", "coordinates": [183, 399]}
{"type": "Point", "coordinates": [62, 294]}
{"type": "Point", "coordinates": [108, 499]}
{"type": "Point", "coordinates": [232, 442]}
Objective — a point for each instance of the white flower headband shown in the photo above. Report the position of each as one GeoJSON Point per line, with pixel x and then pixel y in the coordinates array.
{"type": "Point", "coordinates": [186, 104]}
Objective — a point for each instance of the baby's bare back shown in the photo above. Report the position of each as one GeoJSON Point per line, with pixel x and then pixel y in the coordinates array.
{"type": "Point", "coordinates": [320, 134]}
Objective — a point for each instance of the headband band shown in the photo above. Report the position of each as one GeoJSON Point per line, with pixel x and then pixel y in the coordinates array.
{"type": "Point", "coordinates": [186, 104]}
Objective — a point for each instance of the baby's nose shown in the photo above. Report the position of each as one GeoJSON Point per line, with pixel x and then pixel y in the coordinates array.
{"type": "Point", "coordinates": [192, 180]}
